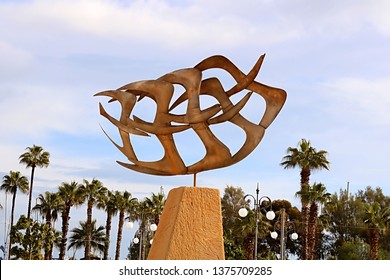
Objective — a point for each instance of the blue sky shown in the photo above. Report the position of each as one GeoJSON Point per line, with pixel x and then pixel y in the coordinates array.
{"type": "Point", "coordinates": [330, 56]}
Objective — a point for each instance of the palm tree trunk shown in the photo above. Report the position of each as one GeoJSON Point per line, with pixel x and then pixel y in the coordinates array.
{"type": "Point", "coordinates": [108, 230]}
{"type": "Point", "coordinates": [48, 246]}
{"type": "Point", "coordinates": [30, 194]}
{"type": "Point", "coordinates": [374, 243]}
{"type": "Point", "coordinates": [305, 177]}
{"type": "Point", "coordinates": [51, 251]}
{"type": "Point", "coordinates": [316, 242]}
{"type": "Point", "coordinates": [88, 231]}
{"type": "Point", "coordinates": [65, 228]}
{"type": "Point", "coordinates": [119, 237]}
{"type": "Point", "coordinates": [249, 247]}
{"type": "Point", "coordinates": [305, 232]}
{"type": "Point", "coordinates": [11, 224]}
{"type": "Point", "coordinates": [313, 225]}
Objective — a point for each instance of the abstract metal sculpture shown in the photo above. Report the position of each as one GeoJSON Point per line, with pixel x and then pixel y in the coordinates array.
{"type": "Point", "coordinates": [166, 124]}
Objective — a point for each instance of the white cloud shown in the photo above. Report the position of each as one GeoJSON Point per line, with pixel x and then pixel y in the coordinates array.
{"type": "Point", "coordinates": [14, 61]}
{"type": "Point", "coordinates": [378, 15]}
{"type": "Point", "coordinates": [57, 29]}
{"type": "Point", "coordinates": [152, 23]}
{"type": "Point", "coordinates": [11, 153]}
{"type": "Point", "coordinates": [36, 109]}
{"type": "Point", "coordinates": [336, 18]}
{"type": "Point", "coordinates": [365, 100]}
{"type": "Point", "coordinates": [195, 24]}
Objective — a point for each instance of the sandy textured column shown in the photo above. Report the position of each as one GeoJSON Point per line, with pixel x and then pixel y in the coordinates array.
{"type": "Point", "coordinates": [190, 227]}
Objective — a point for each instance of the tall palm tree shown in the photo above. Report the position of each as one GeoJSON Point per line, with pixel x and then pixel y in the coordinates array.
{"type": "Point", "coordinates": [378, 220]}
{"type": "Point", "coordinates": [68, 195]}
{"type": "Point", "coordinates": [111, 208]}
{"type": "Point", "coordinates": [34, 157]}
{"type": "Point", "coordinates": [156, 205]}
{"type": "Point", "coordinates": [307, 158]}
{"type": "Point", "coordinates": [11, 184]}
{"type": "Point", "coordinates": [48, 207]}
{"type": "Point", "coordinates": [125, 203]}
{"type": "Point", "coordinates": [143, 215]}
{"type": "Point", "coordinates": [316, 195]}
{"type": "Point", "coordinates": [80, 237]}
{"type": "Point", "coordinates": [93, 193]}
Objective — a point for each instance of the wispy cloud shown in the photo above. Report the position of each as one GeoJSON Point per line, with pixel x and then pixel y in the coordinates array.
{"type": "Point", "coordinates": [196, 25]}
{"type": "Point", "coordinates": [14, 60]}
{"type": "Point", "coordinates": [37, 110]}
{"type": "Point", "coordinates": [50, 86]}
{"type": "Point", "coordinates": [365, 101]}
{"type": "Point", "coordinates": [330, 56]}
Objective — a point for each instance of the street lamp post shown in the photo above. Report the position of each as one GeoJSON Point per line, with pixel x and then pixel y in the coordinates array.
{"type": "Point", "coordinates": [142, 240]}
{"type": "Point", "coordinates": [270, 215]}
{"type": "Point", "coordinates": [285, 226]}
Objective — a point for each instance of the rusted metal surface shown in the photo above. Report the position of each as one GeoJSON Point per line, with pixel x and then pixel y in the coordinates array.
{"type": "Point", "coordinates": [166, 124]}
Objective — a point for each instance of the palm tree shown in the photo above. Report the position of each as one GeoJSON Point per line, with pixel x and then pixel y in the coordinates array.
{"type": "Point", "coordinates": [307, 159]}
{"type": "Point", "coordinates": [377, 219]}
{"type": "Point", "coordinates": [316, 195]}
{"type": "Point", "coordinates": [34, 157]}
{"type": "Point", "coordinates": [80, 237]}
{"type": "Point", "coordinates": [48, 207]}
{"type": "Point", "coordinates": [143, 215]}
{"type": "Point", "coordinates": [93, 193]}
{"type": "Point", "coordinates": [125, 203]}
{"type": "Point", "coordinates": [68, 195]}
{"type": "Point", "coordinates": [11, 184]}
{"type": "Point", "coordinates": [155, 205]}
{"type": "Point", "coordinates": [110, 206]}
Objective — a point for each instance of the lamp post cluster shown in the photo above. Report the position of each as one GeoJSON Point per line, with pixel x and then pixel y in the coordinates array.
{"type": "Point", "coordinates": [141, 236]}
{"type": "Point", "coordinates": [283, 225]}
{"type": "Point", "coordinates": [243, 212]}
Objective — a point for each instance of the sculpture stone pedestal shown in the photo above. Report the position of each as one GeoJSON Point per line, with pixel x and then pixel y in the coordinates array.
{"type": "Point", "coordinates": [190, 227]}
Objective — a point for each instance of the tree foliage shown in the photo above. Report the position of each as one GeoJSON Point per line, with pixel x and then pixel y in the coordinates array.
{"type": "Point", "coordinates": [30, 238]}
{"type": "Point", "coordinates": [363, 217]}
{"type": "Point", "coordinates": [34, 157]}
{"type": "Point", "coordinates": [79, 238]}
{"type": "Point", "coordinates": [307, 158]}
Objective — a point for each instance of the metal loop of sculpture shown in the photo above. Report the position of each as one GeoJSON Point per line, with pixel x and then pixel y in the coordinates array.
{"type": "Point", "coordinates": [161, 92]}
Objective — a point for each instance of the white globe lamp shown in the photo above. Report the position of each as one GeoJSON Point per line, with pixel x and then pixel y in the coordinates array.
{"type": "Point", "coordinates": [130, 225]}
{"type": "Point", "coordinates": [243, 212]}
{"type": "Point", "coordinates": [153, 227]}
{"type": "Point", "coordinates": [274, 234]}
{"type": "Point", "coordinates": [270, 215]}
{"type": "Point", "coordinates": [294, 236]}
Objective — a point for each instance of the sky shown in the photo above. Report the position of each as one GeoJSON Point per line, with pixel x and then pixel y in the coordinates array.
{"type": "Point", "coordinates": [331, 57]}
